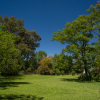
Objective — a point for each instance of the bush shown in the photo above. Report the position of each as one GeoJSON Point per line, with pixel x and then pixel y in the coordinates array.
{"type": "Point", "coordinates": [22, 72]}
{"type": "Point", "coordinates": [43, 70]}
{"type": "Point", "coordinates": [62, 72]}
{"type": "Point", "coordinates": [73, 72]}
{"type": "Point", "coordinates": [52, 72]}
{"type": "Point", "coordinates": [89, 77]}
{"type": "Point", "coordinates": [28, 69]}
{"type": "Point", "coordinates": [55, 72]}
{"type": "Point", "coordinates": [47, 62]}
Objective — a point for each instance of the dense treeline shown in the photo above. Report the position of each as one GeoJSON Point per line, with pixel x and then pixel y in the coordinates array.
{"type": "Point", "coordinates": [79, 56]}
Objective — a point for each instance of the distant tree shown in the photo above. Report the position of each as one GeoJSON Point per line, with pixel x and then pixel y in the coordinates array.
{"type": "Point", "coordinates": [45, 66]}
{"type": "Point", "coordinates": [40, 55]}
{"type": "Point", "coordinates": [63, 63]}
{"type": "Point", "coordinates": [50, 56]}
{"type": "Point", "coordinates": [31, 65]}
{"type": "Point", "coordinates": [43, 70]}
{"type": "Point", "coordinates": [47, 62]}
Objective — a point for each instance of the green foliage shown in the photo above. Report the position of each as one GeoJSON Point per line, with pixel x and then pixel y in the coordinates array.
{"type": "Point", "coordinates": [43, 70]}
{"type": "Point", "coordinates": [33, 63]}
{"type": "Point", "coordinates": [9, 55]}
{"type": "Point", "coordinates": [25, 40]}
{"type": "Point", "coordinates": [63, 63]}
{"type": "Point", "coordinates": [78, 66]}
{"type": "Point", "coordinates": [28, 69]}
{"type": "Point", "coordinates": [62, 72]}
{"type": "Point", "coordinates": [55, 72]}
{"type": "Point", "coordinates": [22, 72]}
{"type": "Point", "coordinates": [40, 55]}
{"type": "Point", "coordinates": [77, 35]}
{"type": "Point", "coordinates": [73, 72]}
{"type": "Point", "coordinates": [91, 76]}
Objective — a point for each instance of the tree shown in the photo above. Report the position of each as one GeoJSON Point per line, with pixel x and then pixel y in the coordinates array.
{"type": "Point", "coordinates": [45, 66]}
{"type": "Point", "coordinates": [78, 66]}
{"type": "Point", "coordinates": [63, 63]}
{"type": "Point", "coordinates": [28, 41]}
{"type": "Point", "coordinates": [50, 56]}
{"type": "Point", "coordinates": [31, 65]}
{"type": "Point", "coordinates": [9, 55]}
{"type": "Point", "coordinates": [40, 55]}
{"type": "Point", "coordinates": [47, 62]}
{"type": "Point", "coordinates": [77, 35]}
{"type": "Point", "coordinates": [95, 21]}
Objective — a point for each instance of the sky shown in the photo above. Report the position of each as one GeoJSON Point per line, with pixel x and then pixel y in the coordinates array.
{"type": "Point", "coordinates": [46, 17]}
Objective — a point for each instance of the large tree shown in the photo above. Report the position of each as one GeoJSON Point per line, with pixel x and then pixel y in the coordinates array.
{"type": "Point", "coordinates": [29, 39]}
{"type": "Point", "coordinates": [95, 21]}
{"type": "Point", "coordinates": [77, 36]}
{"type": "Point", "coordinates": [9, 55]}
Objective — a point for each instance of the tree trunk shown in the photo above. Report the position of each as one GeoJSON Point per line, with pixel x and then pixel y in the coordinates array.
{"type": "Point", "coordinates": [86, 72]}
{"type": "Point", "coordinates": [5, 72]}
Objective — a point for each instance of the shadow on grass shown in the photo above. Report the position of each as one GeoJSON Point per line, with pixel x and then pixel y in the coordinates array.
{"type": "Point", "coordinates": [10, 78]}
{"type": "Point", "coordinates": [19, 97]}
{"type": "Point", "coordinates": [5, 85]}
{"type": "Point", "coordinates": [6, 82]}
{"type": "Point", "coordinates": [75, 80]}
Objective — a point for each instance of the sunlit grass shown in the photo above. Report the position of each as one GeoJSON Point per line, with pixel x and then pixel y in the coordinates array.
{"type": "Point", "coordinates": [65, 87]}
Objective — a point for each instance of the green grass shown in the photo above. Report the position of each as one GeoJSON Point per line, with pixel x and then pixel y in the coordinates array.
{"type": "Point", "coordinates": [40, 87]}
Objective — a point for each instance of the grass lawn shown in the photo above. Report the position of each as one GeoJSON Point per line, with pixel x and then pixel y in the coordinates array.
{"type": "Point", "coordinates": [40, 87]}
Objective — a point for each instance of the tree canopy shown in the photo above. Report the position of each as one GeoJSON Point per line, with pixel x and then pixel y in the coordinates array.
{"type": "Point", "coordinates": [29, 39]}
{"type": "Point", "coordinates": [40, 55]}
{"type": "Point", "coordinates": [9, 55]}
{"type": "Point", "coordinates": [78, 34]}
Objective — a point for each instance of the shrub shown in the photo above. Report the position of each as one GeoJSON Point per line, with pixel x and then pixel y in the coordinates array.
{"type": "Point", "coordinates": [85, 78]}
{"type": "Point", "coordinates": [52, 72]}
{"type": "Point", "coordinates": [47, 62]}
{"type": "Point", "coordinates": [62, 72]}
{"type": "Point", "coordinates": [82, 77]}
{"type": "Point", "coordinates": [73, 72]}
{"type": "Point", "coordinates": [93, 75]}
{"type": "Point", "coordinates": [22, 72]}
{"type": "Point", "coordinates": [43, 70]}
{"type": "Point", "coordinates": [28, 69]}
{"type": "Point", "coordinates": [55, 72]}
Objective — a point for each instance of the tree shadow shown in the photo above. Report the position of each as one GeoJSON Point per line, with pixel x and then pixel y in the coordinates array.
{"type": "Point", "coordinates": [6, 82]}
{"type": "Point", "coordinates": [19, 97]}
{"type": "Point", "coordinates": [10, 78]}
{"type": "Point", "coordinates": [5, 85]}
{"type": "Point", "coordinates": [75, 80]}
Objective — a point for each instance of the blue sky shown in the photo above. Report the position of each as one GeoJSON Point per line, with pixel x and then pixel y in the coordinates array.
{"type": "Point", "coordinates": [46, 17]}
